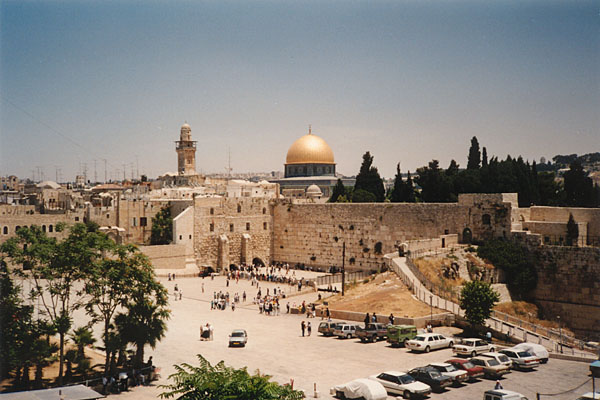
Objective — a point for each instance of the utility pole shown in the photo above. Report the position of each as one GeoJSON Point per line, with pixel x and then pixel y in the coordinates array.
{"type": "Point", "coordinates": [95, 173]}
{"type": "Point", "coordinates": [104, 170]}
{"type": "Point", "coordinates": [228, 169]}
{"type": "Point", "coordinates": [343, 267]}
{"type": "Point", "coordinates": [124, 172]}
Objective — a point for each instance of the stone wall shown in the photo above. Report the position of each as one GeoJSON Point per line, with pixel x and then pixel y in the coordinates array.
{"type": "Point", "coordinates": [569, 286]}
{"type": "Point", "coordinates": [12, 217]}
{"type": "Point", "coordinates": [168, 256]}
{"type": "Point", "coordinates": [220, 225]}
{"type": "Point", "coordinates": [591, 216]}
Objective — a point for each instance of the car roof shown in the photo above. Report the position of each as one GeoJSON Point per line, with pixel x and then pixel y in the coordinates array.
{"type": "Point", "coordinates": [492, 354]}
{"type": "Point", "coordinates": [440, 364]}
{"type": "Point", "coordinates": [457, 360]}
{"type": "Point", "coordinates": [429, 334]}
{"type": "Point", "coordinates": [501, 392]}
{"type": "Point", "coordinates": [480, 358]}
{"type": "Point", "coordinates": [395, 373]}
{"type": "Point", "coordinates": [239, 330]}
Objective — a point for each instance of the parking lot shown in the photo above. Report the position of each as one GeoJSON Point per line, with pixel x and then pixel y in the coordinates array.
{"type": "Point", "coordinates": [276, 347]}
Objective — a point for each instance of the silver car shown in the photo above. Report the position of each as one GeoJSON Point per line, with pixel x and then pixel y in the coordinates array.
{"type": "Point", "coordinates": [239, 337]}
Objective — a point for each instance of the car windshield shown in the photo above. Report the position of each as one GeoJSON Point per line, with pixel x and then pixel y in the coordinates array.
{"type": "Point", "coordinates": [524, 354]}
{"type": "Point", "coordinates": [468, 365]}
{"type": "Point", "coordinates": [434, 374]}
{"type": "Point", "coordinates": [493, 362]}
{"type": "Point", "coordinates": [450, 368]}
{"type": "Point", "coordinates": [237, 334]}
{"type": "Point", "coordinates": [406, 379]}
{"type": "Point", "coordinates": [503, 358]}
{"type": "Point", "coordinates": [419, 339]}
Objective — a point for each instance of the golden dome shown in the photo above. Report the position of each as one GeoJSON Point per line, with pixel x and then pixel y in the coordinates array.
{"type": "Point", "coordinates": [309, 149]}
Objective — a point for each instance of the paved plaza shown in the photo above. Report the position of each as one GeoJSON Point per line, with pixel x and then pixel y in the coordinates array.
{"type": "Point", "coordinates": [276, 347]}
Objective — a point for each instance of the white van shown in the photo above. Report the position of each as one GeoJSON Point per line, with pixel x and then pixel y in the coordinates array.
{"type": "Point", "coordinates": [346, 331]}
{"type": "Point", "coordinates": [501, 394]}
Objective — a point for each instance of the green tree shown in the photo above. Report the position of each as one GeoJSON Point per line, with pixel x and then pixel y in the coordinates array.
{"type": "Point", "coordinates": [398, 190]}
{"type": "Point", "coordinates": [82, 336]}
{"type": "Point", "coordinates": [362, 196]}
{"type": "Point", "coordinates": [162, 227]}
{"type": "Point", "coordinates": [221, 382]}
{"type": "Point", "coordinates": [474, 160]}
{"type": "Point", "coordinates": [338, 190]}
{"type": "Point", "coordinates": [484, 157]}
{"type": "Point", "coordinates": [368, 179]}
{"type": "Point", "coordinates": [144, 322]}
{"type": "Point", "coordinates": [579, 189]}
{"type": "Point", "coordinates": [408, 194]}
{"type": "Point", "coordinates": [478, 298]}
{"type": "Point", "coordinates": [435, 185]}
{"type": "Point", "coordinates": [572, 231]}
{"type": "Point", "coordinates": [516, 261]}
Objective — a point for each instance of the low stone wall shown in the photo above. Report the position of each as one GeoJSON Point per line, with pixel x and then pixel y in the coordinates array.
{"type": "Point", "coordinates": [168, 256]}
{"type": "Point", "coordinates": [445, 319]}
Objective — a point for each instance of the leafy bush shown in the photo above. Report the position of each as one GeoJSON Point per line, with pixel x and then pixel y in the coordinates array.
{"type": "Point", "coordinates": [515, 260]}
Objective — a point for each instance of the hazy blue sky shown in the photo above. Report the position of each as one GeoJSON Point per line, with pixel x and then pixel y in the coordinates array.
{"type": "Point", "coordinates": [407, 80]}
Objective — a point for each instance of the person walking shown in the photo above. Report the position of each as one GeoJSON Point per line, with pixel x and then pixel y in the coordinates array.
{"type": "Point", "coordinates": [303, 327]}
{"type": "Point", "coordinates": [308, 329]}
{"type": "Point", "coordinates": [391, 318]}
{"type": "Point", "coordinates": [374, 318]}
{"type": "Point", "coordinates": [367, 319]}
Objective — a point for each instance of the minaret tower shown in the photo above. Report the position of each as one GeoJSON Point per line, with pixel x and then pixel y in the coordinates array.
{"type": "Point", "coordinates": [186, 152]}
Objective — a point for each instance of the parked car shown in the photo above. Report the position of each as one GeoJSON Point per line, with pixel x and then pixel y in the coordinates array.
{"type": "Point", "coordinates": [590, 396]}
{"type": "Point", "coordinates": [472, 347]}
{"type": "Point", "coordinates": [432, 377]}
{"type": "Point", "coordinates": [238, 337]}
{"type": "Point", "coordinates": [521, 359]}
{"type": "Point", "coordinates": [451, 371]}
{"type": "Point", "coordinates": [429, 341]}
{"type": "Point", "coordinates": [372, 332]}
{"type": "Point", "coordinates": [367, 389]}
{"type": "Point", "coordinates": [402, 383]}
{"type": "Point", "coordinates": [473, 371]}
{"type": "Point", "coordinates": [327, 328]}
{"type": "Point", "coordinates": [501, 394]}
{"type": "Point", "coordinates": [501, 358]}
{"type": "Point", "coordinates": [346, 331]}
{"type": "Point", "coordinates": [491, 367]}
{"type": "Point", "coordinates": [535, 349]}
{"type": "Point", "coordinates": [397, 334]}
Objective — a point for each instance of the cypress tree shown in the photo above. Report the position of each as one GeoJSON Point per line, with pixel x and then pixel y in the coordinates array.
{"type": "Point", "coordinates": [368, 179]}
{"type": "Point", "coordinates": [572, 231]}
{"type": "Point", "coordinates": [338, 191]}
{"type": "Point", "coordinates": [484, 160]}
{"type": "Point", "coordinates": [398, 191]}
{"type": "Point", "coordinates": [474, 160]}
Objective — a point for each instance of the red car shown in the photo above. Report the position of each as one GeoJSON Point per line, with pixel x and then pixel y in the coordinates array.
{"type": "Point", "coordinates": [473, 371]}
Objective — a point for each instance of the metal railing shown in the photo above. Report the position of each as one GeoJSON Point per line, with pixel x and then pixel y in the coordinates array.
{"type": "Point", "coordinates": [337, 278]}
{"type": "Point", "coordinates": [561, 240]}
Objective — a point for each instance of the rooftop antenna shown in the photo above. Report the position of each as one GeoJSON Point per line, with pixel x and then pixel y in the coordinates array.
{"type": "Point", "coordinates": [95, 172]}
{"type": "Point", "coordinates": [104, 159]}
{"type": "Point", "coordinates": [228, 169]}
{"type": "Point", "coordinates": [309, 129]}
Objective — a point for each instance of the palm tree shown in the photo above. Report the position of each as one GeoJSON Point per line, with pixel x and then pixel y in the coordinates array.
{"type": "Point", "coordinates": [82, 336]}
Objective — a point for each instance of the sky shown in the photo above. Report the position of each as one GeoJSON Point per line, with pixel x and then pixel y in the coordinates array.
{"type": "Point", "coordinates": [409, 81]}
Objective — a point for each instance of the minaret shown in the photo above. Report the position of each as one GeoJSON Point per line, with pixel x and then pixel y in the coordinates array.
{"type": "Point", "coordinates": [186, 152]}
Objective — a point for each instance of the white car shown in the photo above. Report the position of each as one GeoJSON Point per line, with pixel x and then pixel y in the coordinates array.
{"type": "Point", "coordinates": [501, 394]}
{"type": "Point", "coordinates": [521, 359]}
{"type": "Point", "coordinates": [472, 347]}
{"type": "Point", "coordinates": [367, 389]}
{"type": "Point", "coordinates": [501, 358]}
{"type": "Point", "coordinates": [429, 341]}
{"type": "Point", "coordinates": [535, 349]}
{"type": "Point", "coordinates": [238, 337]}
{"type": "Point", "coordinates": [590, 396]}
{"type": "Point", "coordinates": [401, 383]}
{"type": "Point", "coordinates": [451, 371]}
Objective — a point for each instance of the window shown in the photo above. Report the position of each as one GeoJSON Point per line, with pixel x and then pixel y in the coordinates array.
{"type": "Point", "coordinates": [247, 226]}
{"type": "Point", "coordinates": [264, 210]}
{"type": "Point", "coordinates": [190, 236]}
{"type": "Point", "coordinates": [180, 237]}
{"type": "Point", "coordinates": [76, 218]}
{"type": "Point", "coordinates": [43, 228]}
{"type": "Point", "coordinates": [486, 219]}
{"type": "Point", "coordinates": [212, 211]}
{"type": "Point", "coordinates": [143, 221]}
{"type": "Point", "coordinates": [230, 227]}
{"type": "Point", "coordinates": [265, 226]}
{"type": "Point", "coordinates": [5, 230]}
{"type": "Point", "coordinates": [212, 227]}
{"type": "Point", "coordinates": [133, 222]}
{"type": "Point", "coordinates": [50, 228]}
{"type": "Point", "coordinates": [107, 216]}
{"type": "Point", "coordinates": [239, 208]}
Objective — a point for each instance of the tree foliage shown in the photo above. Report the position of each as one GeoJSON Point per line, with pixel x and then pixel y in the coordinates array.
{"type": "Point", "coordinates": [368, 180]}
{"type": "Point", "coordinates": [162, 227]}
{"type": "Point", "coordinates": [474, 160]}
{"type": "Point", "coordinates": [338, 191]}
{"type": "Point", "coordinates": [221, 382]}
{"type": "Point", "coordinates": [572, 231]}
{"type": "Point", "coordinates": [516, 262]}
{"type": "Point", "coordinates": [478, 298]}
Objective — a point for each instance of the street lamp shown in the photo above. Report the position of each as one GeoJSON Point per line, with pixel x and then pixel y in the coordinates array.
{"type": "Point", "coordinates": [343, 266]}
{"type": "Point", "coordinates": [431, 309]}
{"type": "Point", "coordinates": [560, 333]}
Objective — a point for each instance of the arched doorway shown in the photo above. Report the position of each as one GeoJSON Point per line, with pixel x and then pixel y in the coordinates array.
{"type": "Point", "coordinates": [233, 267]}
{"type": "Point", "coordinates": [467, 236]}
{"type": "Point", "coordinates": [258, 261]}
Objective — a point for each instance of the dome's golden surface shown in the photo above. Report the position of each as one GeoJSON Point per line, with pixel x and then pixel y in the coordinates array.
{"type": "Point", "coordinates": [309, 149]}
